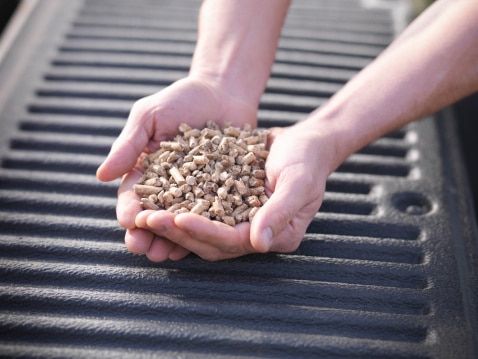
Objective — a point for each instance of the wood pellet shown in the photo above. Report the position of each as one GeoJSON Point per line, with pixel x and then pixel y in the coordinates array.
{"type": "Point", "coordinates": [217, 172]}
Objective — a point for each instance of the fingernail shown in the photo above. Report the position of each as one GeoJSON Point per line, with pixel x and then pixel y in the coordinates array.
{"type": "Point", "coordinates": [266, 237]}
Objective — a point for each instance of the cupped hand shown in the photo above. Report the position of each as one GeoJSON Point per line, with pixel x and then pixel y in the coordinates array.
{"type": "Point", "coordinates": [297, 169]}
{"type": "Point", "coordinates": [153, 119]}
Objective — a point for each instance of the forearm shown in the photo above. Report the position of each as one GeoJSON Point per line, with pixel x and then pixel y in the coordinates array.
{"type": "Point", "coordinates": [237, 41]}
{"type": "Point", "coordinates": [427, 69]}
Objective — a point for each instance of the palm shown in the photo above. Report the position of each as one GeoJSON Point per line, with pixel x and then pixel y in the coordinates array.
{"type": "Point", "coordinates": [295, 185]}
{"type": "Point", "coordinates": [153, 119]}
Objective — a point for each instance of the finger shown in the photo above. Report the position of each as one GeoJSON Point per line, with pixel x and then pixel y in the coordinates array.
{"type": "Point", "coordinates": [161, 223]}
{"type": "Point", "coordinates": [290, 237]}
{"type": "Point", "coordinates": [160, 249]}
{"type": "Point", "coordinates": [123, 156]}
{"type": "Point", "coordinates": [213, 240]}
{"type": "Point", "coordinates": [178, 253]}
{"type": "Point", "coordinates": [282, 207]}
{"type": "Point", "coordinates": [128, 205]}
{"type": "Point", "coordinates": [132, 140]}
{"type": "Point", "coordinates": [138, 241]}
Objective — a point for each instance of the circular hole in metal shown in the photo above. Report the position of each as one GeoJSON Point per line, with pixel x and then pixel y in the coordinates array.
{"type": "Point", "coordinates": [412, 203]}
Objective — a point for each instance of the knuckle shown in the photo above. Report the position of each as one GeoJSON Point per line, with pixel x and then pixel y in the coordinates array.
{"type": "Point", "coordinates": [288, 242]}
{"type": "Point", "coordinates": [283, 216]}
{"type": "Point", "coordinates": [141, 103]}
{"type": "Point", "coordinates": [141, 107]}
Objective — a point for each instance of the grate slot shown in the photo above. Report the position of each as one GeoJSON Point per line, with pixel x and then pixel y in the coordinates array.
{"type": "Point", "coordinates": [54, 162]}
{"type": "Point", "coordinates": [24, 223]}
{"type": "Point", "coordinates": [387, 147]}
{"type": "Point", "coordinates": [343, 186]}
{"type": "Point", "coordinates": [224, 341]}
{"type": "Point", "coordinates": [363, 229]}
{"type": "Point", "coordinates": [80, 125]}
{"type": "Point", "coordinates": [115, 76]}
{"type": "Point", "coordinates": [132, 93]}
{"type": "Point", "coordinates": [42, 203]}
{"type": "Point", "coordinates": [340, 246]}
{"type": "Point", "coordinates": [223, 325]}
{"type": "Point", "coordinates": [47, 142]}
{"type": "Point", "coordinates": [56, 182]}
{"type": "Point", "coordinates": [347, 207]}
{"type": "Point", "coordinates": [379, 168]}
{"type": "Point", "coordinates": [148, 62]}
{"type": "Point", "coordinates": [357, 272]}
{"type": "Point", "coordinates": [314, 296]}
{"type": "Point", "coordinates": [112, 46]}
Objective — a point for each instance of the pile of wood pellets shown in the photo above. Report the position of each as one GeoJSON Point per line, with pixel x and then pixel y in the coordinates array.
{"type": "Point", "coordinates": [217, 172]}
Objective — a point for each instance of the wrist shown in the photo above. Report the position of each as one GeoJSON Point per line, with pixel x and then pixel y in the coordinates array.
{"type": "Point", "coordinates": [202, 98]}
{"type": "Point", "coordinates": [236, 45]}
{"type": "Point", "coordinates": [332, 139]}
{"type": "Point", "coordinates": [223, 84]}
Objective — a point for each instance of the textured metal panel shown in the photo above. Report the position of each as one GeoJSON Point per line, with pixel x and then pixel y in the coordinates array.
{"type": "Point", "coordinates": [387, 268]}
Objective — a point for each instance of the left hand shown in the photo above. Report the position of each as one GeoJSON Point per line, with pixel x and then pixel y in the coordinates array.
{"type": "Point", "coordinates": [155, 118]}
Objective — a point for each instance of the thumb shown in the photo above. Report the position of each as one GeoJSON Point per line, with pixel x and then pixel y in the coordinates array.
{"type": "Point", "coordinates": [277, 213]}
{"type": "Point", "coordinates": [121, 159]}
{"type": "Point", "coordinates": [129, 145]}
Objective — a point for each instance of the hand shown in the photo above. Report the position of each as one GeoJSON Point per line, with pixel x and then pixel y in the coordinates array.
{"type": "Point", "coordinates": [153, 119]}
{"type": "Point", "coordinates": [297, 169]}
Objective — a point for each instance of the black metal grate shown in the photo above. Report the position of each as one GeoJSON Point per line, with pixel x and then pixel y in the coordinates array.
{"type": "Point", "coordinates": [387, 268]}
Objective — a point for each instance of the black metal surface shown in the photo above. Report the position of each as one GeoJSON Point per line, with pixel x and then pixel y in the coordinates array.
{"type": "Point", "coordinates": [6, 10]}
{"type": "Point", "coordinates": [387, 269]}
{"type": "Point", "coordinates": [466, 112]}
